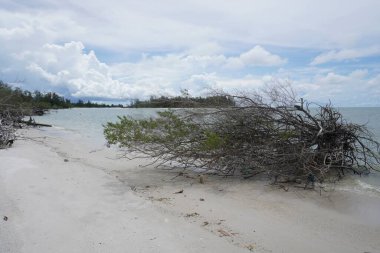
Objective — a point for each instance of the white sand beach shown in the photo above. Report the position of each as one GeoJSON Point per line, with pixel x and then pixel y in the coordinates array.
{"type": "Point", "coordinates": [58, 194]}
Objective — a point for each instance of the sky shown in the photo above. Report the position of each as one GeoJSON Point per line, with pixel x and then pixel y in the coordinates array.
{"type": "Point", "coordinates": [327, 50]}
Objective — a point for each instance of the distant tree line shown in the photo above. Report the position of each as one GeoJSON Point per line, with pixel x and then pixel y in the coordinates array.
{"type": "Point", "coordinates": [37, 101]}
{"type": "Point", "coordinates": [90, 104]}
{"type": "Point", "coordinates": [183, 102]}
{"type": "Point", "coordinates": [18, 98]}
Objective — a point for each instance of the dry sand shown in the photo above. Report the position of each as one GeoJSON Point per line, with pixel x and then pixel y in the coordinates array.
{"type": "Point", "coordinates": [61, 195]}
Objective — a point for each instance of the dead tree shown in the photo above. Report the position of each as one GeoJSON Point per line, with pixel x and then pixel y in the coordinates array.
{"type": "Point", "coordinates": [266, 133]}
{"type": "Point", "coordinates": [7, 128]}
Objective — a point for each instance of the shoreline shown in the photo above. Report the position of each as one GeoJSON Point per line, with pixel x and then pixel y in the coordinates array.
{"type": "Point", "coordinates": [62, 195]}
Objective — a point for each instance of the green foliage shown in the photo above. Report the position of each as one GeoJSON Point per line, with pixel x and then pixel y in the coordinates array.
{"type": "Point", "coordinates": [286, 135]}
{"type": "Point", "coordinates": [184, 101]}
{"type": "Point", "coordinates": [167, 128]}
{"type": "Point", "coordinates": [27, 101]}
{"type": "Point", "coordinates": [212, 141]}
{"type": "Point", "coordinates": [90, 104]}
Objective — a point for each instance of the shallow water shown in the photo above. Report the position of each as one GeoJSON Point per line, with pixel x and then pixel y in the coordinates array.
{"type": "Point", "coordinates": [369, 116]}
{"type": "Point", "coordinates": [88, 122]}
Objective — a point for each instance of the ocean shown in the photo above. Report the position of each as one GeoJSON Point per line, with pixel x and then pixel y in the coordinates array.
{"type": "Point", "coordinates": [87, 123]}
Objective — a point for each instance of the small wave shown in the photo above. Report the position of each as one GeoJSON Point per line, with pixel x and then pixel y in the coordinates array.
{"type": "Point", "coordinates": [368, 187]}
{"type": "Point", "coordinates": [360, 187]}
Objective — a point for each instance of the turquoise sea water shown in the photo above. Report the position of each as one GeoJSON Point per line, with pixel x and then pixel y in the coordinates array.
{"type": "Point", "coordinates": [88, 124]}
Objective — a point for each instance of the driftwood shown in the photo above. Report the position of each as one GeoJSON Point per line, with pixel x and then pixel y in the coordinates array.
{"type": "Point", "coordinates": [11, 118]}
{"type": "Point", "coordinates": [7, 128]}
{"type": "Point", "coordinates": [31, 122]}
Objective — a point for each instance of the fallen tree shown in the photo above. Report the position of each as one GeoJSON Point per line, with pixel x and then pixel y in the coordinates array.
{"type": "Point", "coordinates": [15, 104]}
{"type": "Point", "coordinates": [10, 113]}
{"type": "Point", "coordinates": [11, 119]}
{"type": "Point", "coordinates": [266, 133]}
{"type": "Point", "coordinates": [8, 121]}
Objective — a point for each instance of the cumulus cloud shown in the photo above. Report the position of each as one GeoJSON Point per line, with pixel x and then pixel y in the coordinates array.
{"type": "Point", "coordinates": [68, 68]}
{"type": "Point", "coordinates": [345, 54]}
{"type": "Point", "coordinates": [356, 88]}
{"type": "Point", "coordinates": [194, 70]}
{"type": "Point", "coordinates": [257, 56]}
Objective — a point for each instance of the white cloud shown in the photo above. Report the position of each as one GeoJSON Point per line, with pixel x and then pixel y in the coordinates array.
{"type": "Point", "coordinates": [67, 67]}
{"type": "Point", "coordinates": [257, 56]}
{"type": "Point", "coordinates": [345, 54]}
{"type": "Point", "coordinates": [71, 70]}
{"type": "Point", "coordinates": [172, 25]}
{"type": "Point", "coordinates": [196, 72]}
{"type": "Point", "coordinates": [353, 89]}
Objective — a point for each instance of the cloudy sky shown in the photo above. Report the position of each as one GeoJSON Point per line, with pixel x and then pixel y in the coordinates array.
{"type": "Point", "coordinates": [119, 49]}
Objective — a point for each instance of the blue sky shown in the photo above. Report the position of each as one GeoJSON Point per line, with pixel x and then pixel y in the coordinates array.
{"type": "Point", "coordinates": [124, 49]}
